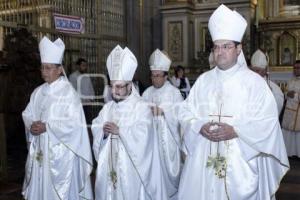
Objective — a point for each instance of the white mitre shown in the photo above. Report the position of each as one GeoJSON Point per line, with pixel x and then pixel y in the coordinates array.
{"type": "Point", "coordinates": [121, 64]}
{"type": "Point", "coordinates": [259, 59]}
{"type": "Point", "coordinates": [51, 52]}
{"type": "Point", "coordinates": [159, 60]}
{"type": "Point", "coordinates": [225, 24]}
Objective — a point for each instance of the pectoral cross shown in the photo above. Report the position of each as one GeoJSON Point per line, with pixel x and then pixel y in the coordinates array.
{"type": "Point", "coordinates": [218, 162]}
{"type": "Point", "coordinates": [39, 153]}
{"type": "Point", "coordinates": [219, 115]}
{"type": "Point", "coordinates": [113, 160]}
{"type": "Point", "coordinates": [114, 150]}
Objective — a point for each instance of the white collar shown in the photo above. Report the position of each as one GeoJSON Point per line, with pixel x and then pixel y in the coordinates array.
{"type": "Point", "coordinates": [54, 86]}
{"type": "Point", "coordinates": [162, 87]}
{"type": "Point", "coordinates": [225, 74]}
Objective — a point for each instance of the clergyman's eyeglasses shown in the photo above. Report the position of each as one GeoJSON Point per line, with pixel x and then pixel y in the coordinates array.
{"type": "Point", "coordinates": [119, 87]}
{"type": "Point", "coordinates": [224, 47]}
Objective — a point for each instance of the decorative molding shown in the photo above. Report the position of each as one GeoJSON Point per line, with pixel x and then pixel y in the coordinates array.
{"type": "Point", "coordinates": [287, 48]}
{"type": "Point", "coordinates": [175, 41]}
{"type": "Point", "coordinates": [277, 23]}
{"type": "Point", "coordinates": [281, 68]}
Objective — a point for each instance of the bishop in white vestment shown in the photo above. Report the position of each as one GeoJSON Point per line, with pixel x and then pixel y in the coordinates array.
{"type": "Point", "coordinates": [164, 97]}
{"type": "Point", "coordinates": [291, 116]}
{"type": "Point", "coordinates": [125, 147]}
{"type": "Point", "coordinates": [59, 159]}
{"type": "Point", "coordinates": [232, 134]}
{"type": "Point", "coordinates": [259, 64]}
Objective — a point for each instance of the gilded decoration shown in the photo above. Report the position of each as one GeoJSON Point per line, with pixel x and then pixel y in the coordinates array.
{"type": "Point", "coordinates": [175, 41]}
{"type": "Point", "coordinates": [287, 48]}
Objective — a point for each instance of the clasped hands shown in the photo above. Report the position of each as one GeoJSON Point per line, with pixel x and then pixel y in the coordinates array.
{"type": "Point", "coordinates": [156, 111]}
{"type": "Point", "coordinates": [291, 94]}
{"type": "Point", "coordinates": [37, 128]}
{"type": "Point", "coordinates": [110, 128]}
{"type": "Point", "coordinates": [218, 131]}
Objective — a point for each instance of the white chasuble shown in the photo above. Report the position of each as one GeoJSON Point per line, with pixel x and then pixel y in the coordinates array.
{"type": "Point", "coordinates": [128, 164]}
{"type": "Point", "coordinates": [59, 160]}
{"type": "Point", "coordinates": [167, 130]}
{"type": "Point", "coordinates": [249, 167]}
{"type": "Point", "coordinates": [278, 95]}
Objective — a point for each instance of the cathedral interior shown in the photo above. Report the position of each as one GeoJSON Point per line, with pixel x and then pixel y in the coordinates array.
{"type": "Point", "coordinates": [177, 26]}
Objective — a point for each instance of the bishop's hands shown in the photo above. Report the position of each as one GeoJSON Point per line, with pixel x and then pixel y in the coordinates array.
{"type": "Point", "coordinates": [217, 132]}
{"type": "Point", "coordinates": [37, 128]}
{"type": "Point", "coordinates": [110, 128]}
{"type": "Point", "coordinates": [291, 94]}
{"type": "Point", "coordinates": [156, 111]}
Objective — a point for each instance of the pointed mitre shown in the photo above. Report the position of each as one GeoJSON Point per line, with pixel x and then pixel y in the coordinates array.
{"type": "Point", "coordinates": [121, 64]}
{"type": "Point", "coordinates": [51, 52]}
{"type": "Point", "coordinates": [159, 60]}
{"type": "Point", "coordinates": [259, 59]}
{"type": "Point", "coordinates": [225, 24]}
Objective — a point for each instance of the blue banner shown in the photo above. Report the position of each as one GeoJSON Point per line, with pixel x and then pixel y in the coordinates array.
{"type": "Point", "coordinates": [69, 24]}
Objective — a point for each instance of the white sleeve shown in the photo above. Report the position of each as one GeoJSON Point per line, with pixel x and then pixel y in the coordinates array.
{"type": "Point", "coordinates": [28, 119]}
{"type": "Point", "coordinates": [98, 134]}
